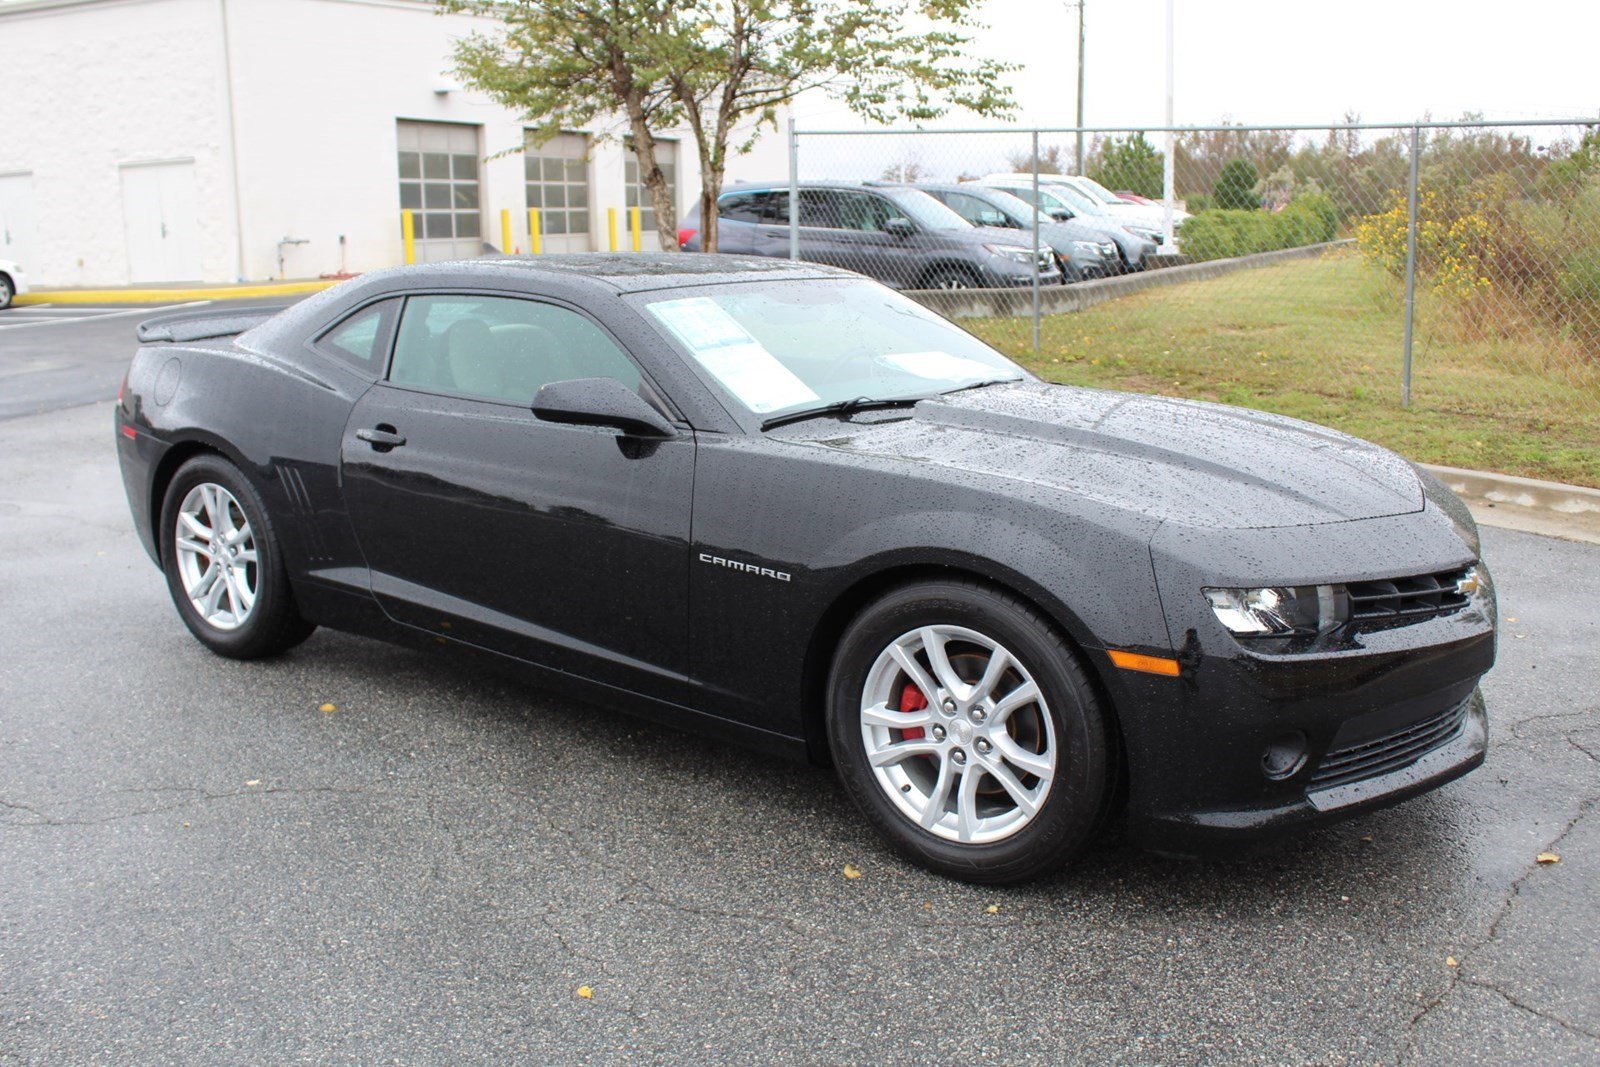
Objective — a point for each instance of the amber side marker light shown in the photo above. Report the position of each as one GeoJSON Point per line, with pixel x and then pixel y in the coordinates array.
{"type": "Point", "coordinates": [1133, 661]}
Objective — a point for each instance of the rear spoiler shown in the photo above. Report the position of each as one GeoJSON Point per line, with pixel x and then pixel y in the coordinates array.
{"type": "Point", "coordinates": [199, 324]}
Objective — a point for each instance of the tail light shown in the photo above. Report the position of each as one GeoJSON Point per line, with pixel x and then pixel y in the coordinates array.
{"type": "Point", "coordinates": [685, 236]}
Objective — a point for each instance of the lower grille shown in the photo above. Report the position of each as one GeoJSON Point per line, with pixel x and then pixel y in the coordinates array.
{"type": "Point", "coordinates": [1391, 752]}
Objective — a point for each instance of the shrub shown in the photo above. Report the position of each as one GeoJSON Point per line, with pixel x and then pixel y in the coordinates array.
{"type": "Point", "coordinates": [1235, 189]}
{"type": "Point", "coordinates": [1219, 234]}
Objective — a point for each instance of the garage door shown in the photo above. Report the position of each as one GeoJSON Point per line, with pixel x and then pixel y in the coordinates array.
{"type": "Point", "coordinates": [439, 181]}
{"type": "Point", "coordinates": [557, 176]}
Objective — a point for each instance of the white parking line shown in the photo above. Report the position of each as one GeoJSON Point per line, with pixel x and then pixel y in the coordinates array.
{"type": "Point", "coordinates": [97, 313]}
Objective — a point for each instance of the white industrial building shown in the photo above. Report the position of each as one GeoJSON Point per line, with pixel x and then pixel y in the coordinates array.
{"type": "Point", "coordinates": [159, 141]}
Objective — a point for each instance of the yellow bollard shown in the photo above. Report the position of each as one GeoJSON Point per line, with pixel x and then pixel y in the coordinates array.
{"type": "Point", "coordinates": [408, 234]}
{"type": "Point", "coordinates": [505, 231]}
{"type": "Point", "coordinates": [633, 221]}
{"type": "Point", "coordinates": [611, 226]}
{"type": "Point", "coordinates": [535, 237]}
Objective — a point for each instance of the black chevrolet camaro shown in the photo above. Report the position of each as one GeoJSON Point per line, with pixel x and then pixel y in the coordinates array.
{"type": "Point", "coordinates": [785, 505]}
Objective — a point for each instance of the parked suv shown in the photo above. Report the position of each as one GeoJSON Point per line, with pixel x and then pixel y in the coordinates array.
{"type": "Point", "coordinates": [1081, 252]}
{"type": "Point", "coordinates": [899, 236]}
{"type": "Point", "coordinates": [1063, 204]}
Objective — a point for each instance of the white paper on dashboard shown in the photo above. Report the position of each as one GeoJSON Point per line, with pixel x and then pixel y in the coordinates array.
{"type": "Point", "coordinates": [939, 366]}
{"type": "Point", "coordinates": [735, 358]}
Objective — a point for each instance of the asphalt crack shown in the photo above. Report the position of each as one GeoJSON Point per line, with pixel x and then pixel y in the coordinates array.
{"type": "Point", "coordinates": [1457, 978]}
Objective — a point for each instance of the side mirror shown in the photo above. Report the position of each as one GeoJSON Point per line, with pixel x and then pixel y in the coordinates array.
{"type": "Point", "coordinates": [899, 227]}
{"type": "Point", "coordinates": [600, 402]}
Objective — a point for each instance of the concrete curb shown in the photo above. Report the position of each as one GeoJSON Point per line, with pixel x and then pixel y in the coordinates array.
{"type": "Point", "coordinates": [1553, 509]}
{"type": "Point", "coordinates": [175, 296]}
{"type": "Point", "coordinates": [1061, 299]}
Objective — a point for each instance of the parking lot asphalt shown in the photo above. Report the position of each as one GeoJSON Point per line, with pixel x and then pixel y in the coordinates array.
{"type": "Point", "coordinates": [198, 864]}
{"type": "Point", "coordinates": [57, 356]}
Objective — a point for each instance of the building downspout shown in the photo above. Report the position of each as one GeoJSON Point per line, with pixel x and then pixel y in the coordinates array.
{"type": "Point", "coordinates": [233, 142]}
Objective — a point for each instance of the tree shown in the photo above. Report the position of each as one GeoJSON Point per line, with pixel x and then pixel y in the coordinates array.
{"type": "Point", "coordinates": [909, 170]}
{"type": "Point", "coordinates": [1050, 161]}
{"type": "Point", "coordinates": [1236, 186]}
{"type": "Point", "coordinates": [722, 68]}
{"type": "Point", "coordinates": [1131, 163]}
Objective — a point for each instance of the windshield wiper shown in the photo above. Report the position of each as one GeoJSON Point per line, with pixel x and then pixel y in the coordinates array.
{"type": "Point", "coordinates": [980, 385]}
{"type": "Point", "coordinates": [843, 407]}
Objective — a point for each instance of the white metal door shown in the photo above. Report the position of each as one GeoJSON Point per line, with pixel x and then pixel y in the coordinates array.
{"type": "Point", "coordinates": [16, 220]}
{"type": "Point", "coordinates": [158, 211]}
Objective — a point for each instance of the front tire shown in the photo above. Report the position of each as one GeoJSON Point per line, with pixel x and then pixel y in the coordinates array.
{"type": "Point", "coordinates": [967, 731]}
{"type": "Point", "coordinates": [223, 563]}
{"type": "Point", "coordinates": [8, 290]}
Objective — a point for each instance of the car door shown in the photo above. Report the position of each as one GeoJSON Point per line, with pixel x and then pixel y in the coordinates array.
{"type": "Point", "coordinates": [563, 545]}
{"type": "Point", "coordinates": [858, 239]}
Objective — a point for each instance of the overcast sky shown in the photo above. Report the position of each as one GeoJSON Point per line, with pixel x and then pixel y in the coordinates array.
{"type": "Point", "coordinates": [1291, 61]}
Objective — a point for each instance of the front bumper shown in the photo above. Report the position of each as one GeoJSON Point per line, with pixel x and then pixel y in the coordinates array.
{"type": "Point", "coordinates": [1460, 751]}
{"type": "Point", "coordinates": [1201, 747]}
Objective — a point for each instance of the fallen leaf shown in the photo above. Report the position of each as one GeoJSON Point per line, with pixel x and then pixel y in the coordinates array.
{"type": "Point", "coordinates": [993, 909]}
{"type": "Point", "coordinates": [1549, 858]}
{"type": "Point", "coordinates": [253, 782]}
{"type": "Point", "coordinates": [928, 905]}
{"type": "Point", "coordinates": [1451, 961]}
{"type": "Point", "coordinates": [585, 992]}
{"type": "Point", "coordinates": [1367, 838]}
{"type": "Point", "coordinates": [1511, 618]}
{"type": "Point", "coordinates": [852, 871]}
{"type": "Point", "coordinates": [329, 707]}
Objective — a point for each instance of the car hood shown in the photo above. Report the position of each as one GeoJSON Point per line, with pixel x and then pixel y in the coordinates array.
{"type": "Point", "coordinates": [1179, 461]}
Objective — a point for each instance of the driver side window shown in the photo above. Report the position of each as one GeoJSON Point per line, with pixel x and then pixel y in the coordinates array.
{"type": "Point", "coordinates": [500, 348]}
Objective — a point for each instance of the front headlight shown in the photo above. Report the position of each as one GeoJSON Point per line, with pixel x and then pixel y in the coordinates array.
{"type": "Point", "coordinates": [1016, 253]}
{"type": "Point", "coordinates": [1086, 248]}
{"type": "Point", "coordinates": [1280, 611]}
{"type": "Point", "coordinates": [1145, 232]}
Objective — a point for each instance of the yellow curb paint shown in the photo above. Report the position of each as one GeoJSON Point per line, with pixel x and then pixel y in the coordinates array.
{"type": "Point", "coordinates": [172, 296]}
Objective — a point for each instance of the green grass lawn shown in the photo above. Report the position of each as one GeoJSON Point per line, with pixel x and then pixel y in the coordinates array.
{"type": "Point", "coordinates": [1320, 339]}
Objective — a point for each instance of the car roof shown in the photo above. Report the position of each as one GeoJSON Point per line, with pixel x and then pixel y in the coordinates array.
{"type": "Point", "coordinates": [629, 272]}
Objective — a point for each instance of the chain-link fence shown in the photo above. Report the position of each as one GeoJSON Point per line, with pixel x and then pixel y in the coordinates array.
{"type": "Point", "coordinates": [1435, 287]}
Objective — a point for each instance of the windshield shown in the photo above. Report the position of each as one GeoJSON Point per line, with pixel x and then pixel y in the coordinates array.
{"type": "Point", "coordinates": [786, 347]}
{"type": "Point", "coordinates": [927, 212]}
{"type": "Point", "coordinates": [1019, 210]}
{"type": "Point", "coordinates": [1096, 189]}
{"type": "Point", "coordinates": [1074, 198]}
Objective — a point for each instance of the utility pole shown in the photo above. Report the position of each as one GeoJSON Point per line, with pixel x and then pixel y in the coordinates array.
{"type": "Point", "coordinates": [1079, 5]}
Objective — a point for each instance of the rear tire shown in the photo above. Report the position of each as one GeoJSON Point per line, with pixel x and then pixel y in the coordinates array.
{"type": "Point", "coordinates": [8, 290]}
{"type": "Point", "coordinates": [223, 563]}
{"type": "Point", "coordinates": [997, 786]}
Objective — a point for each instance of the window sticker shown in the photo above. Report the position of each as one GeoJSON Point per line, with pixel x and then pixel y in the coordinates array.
{"type": "Point", "coordinates": [939, 366]}
{"type": "Point", "coordinates": [736, 359]}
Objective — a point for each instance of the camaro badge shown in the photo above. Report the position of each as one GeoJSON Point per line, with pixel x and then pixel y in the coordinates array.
{"type": "Point", "coordinates": [748, 568]}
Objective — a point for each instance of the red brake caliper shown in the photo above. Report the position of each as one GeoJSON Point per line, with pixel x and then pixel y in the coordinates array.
{"type": "Point", "coordinates": [911, 699]}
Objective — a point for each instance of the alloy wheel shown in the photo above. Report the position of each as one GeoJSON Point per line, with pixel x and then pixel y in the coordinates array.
{"type": "Point", "coordinates": [217, 559]}
{"type": "Point", "coordinates": [958, 735]}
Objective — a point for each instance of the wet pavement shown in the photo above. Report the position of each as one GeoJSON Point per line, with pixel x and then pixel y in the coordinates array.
{"type": "Point", "coordinates": [197, 864]}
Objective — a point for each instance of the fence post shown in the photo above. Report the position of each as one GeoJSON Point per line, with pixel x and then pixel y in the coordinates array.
{"type": "Point", "coordinates": [535, 238]}
{"type": "Point", "coordinates": [1034, 259]}
{"type": "Point", "coordinates": [1411, 265]}
{"type": "Point", "coordinates": [794, 191]}
{"type": "Point", "coordinates": [505, 231]}
{"type": "Point", "coordinates": [408, 235]}
{"type": "Point", "coordinates": [611, 227]}
{"type": "Point", "coordinates": [634, 230]}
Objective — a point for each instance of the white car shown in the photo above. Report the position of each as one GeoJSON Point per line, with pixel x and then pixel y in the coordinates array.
{"type": "Point", "coordinates": [13, 283]}
{"type": "Point", "coordinates": [1088, 195]}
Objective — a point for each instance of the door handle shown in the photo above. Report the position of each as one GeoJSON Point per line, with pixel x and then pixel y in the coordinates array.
{"type": "Point", "coordinates": [381, 438]}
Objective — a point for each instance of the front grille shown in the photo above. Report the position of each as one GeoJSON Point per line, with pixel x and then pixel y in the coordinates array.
{"type": "Point", "coordinates": [1421, 596]}
{"type": "Point", "coordinates": [1391, 752]}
